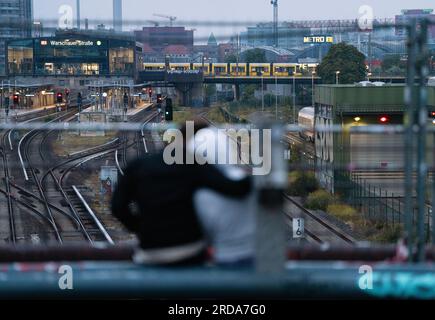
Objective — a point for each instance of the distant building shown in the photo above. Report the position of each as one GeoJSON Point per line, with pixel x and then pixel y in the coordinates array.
{"type": "Point", "coordinates": [150, 55]}
{"type": "Point", "coordinates": [16, 18]}
{"type": "Point", "coordinates": [406, 17]}
{"type": "Point", "coordinates": [262, 35]}
{"type": "Point", "coordinates": [177, 53]}
{"type": "Point", "coordinates": [208, 52]}
{"type": "Point", "coordinates": [225, 50]}
{"type": "Point", "coordinates": [338, 155]}
{"type": "Point", "coordinates": [159, 38]}
{"type": "Point", "coordinates": [117, 15]}
{"type": "Point", "coordinates": [313, 38]}
{"type": "Point", "coordinates": [73, 60]}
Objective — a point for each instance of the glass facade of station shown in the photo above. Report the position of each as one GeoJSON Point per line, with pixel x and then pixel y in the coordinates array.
{"type": "Point", "coordinates": [71, 57]}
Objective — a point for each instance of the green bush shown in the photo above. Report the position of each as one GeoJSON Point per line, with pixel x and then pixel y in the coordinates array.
{"type": "Point", "coordinates": [295, 151]}
{"type": "Point", "coordinates": [319, 200]}
{"type": "Point", "coordinates": [343, 212]}
{"type": "Point", "coordinates": [302, 183]}
{"type": "Point", "coordinates": [388, 234]}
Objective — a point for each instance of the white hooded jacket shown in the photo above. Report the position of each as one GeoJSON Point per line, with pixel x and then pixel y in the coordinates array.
{"type": "Point", "coordinates": [229, 223]}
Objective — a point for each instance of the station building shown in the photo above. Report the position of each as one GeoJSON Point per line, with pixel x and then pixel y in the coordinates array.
{"type": "Point", "coordinates": [339, 154]}
{"type": "Point", "coordinates": [73, 61]}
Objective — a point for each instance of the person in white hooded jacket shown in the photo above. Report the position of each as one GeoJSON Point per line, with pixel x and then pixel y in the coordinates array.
{"type": "Point", "coordinates": [229, 224]}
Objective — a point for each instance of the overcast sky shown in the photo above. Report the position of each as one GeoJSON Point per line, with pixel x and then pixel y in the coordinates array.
{"type": "Point", "coordinates": [227, 11]}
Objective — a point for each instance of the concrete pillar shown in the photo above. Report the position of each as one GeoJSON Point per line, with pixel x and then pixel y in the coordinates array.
{"type": "Point", "coordinates": [190, 95]}
{"type": "Point", "coordinates": [197, 95]}
{"type": "Point", "coordinates": [236, 92]}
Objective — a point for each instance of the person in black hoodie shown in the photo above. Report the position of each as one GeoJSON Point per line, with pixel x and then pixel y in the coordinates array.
{"type": "Point", "coordinates": [155, 201]}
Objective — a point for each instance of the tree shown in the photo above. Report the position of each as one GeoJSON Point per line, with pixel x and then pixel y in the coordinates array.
{"type": "Point", "coordinates": [393, 65]}
{"type": "Point", "coordinates": [255, 55]}
{"type": "Point", "coordinates": [391, 61]}
{"type": "Point", "coordinates": [346, 59]}
{"type": "Point", "coordinates": [248, 92]}
{"type": "Point", "coordinates": [231, 58]}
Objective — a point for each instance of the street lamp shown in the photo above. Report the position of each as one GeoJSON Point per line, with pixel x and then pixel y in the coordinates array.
{"type": "Point", "coordinates": [337, 73]}
{"type": "Point", "coordinates": [1, 97]}
{"type": "Point", "coordinates": [294, 99]}
{"type": "Point", "coordinates": [276, 97]}
{"type": "Point", "coordinates": [431, 68]}
{"type": "Point", "coordinates": [104, 105]}
{"type": "Point", "coordinates": [262, 91]}
{"type": "Point", "coordinates": [312, 87]}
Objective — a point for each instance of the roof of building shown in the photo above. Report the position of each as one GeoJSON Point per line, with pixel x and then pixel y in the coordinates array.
{"type": "Point", "coordinates": [176, 50]}
{"type": "Point", "coordinates": [212, 40]}
{"type": "Point", "coordinates": [146, 48]}
{"type": "Point", "coordinates": [277, 51]}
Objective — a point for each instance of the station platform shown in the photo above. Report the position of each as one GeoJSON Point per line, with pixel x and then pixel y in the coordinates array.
{"type": "Point", "coordinates": [131, 112]}
{"type": "Point", "coordinates": [134, 111]}
{"type": "Point", "coordinates": [19, 113]}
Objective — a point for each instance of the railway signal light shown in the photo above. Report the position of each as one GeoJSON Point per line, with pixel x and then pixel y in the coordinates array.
{"type": "Point", "coordinates": [384, 119]}
{"type": "Point", "coordinates": [59, 97]}
{"type": "Point", "coordinates": [169, 113]}
{"type": "Point", "coordinates": [16, 99]}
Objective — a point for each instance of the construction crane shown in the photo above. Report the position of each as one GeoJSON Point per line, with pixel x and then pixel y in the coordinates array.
{"type": "Point", "coordinates": [171, 18]}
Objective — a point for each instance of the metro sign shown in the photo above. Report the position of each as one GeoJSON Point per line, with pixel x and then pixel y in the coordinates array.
{"type": "Point", "coordinates": [319, 39]}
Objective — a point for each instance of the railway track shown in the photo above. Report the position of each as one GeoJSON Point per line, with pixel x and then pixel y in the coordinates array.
{"type": "Point", "coordinates": [89, 224]}
{"type": "Point", "coordinates": [31, 172]}
{"type": "Point", "coordinates": [77, 207]}
{"type": "Point", "coordinates": [319, 229]}
{"type": "Point", "coordinates": [18, 202]}
{"type": "Point", "coordinates": [8, 193]}
{"type": "Point", "coordinates": [308, 149]}
{"type": "Point", "coordinates": [38, 203]}
{"type": "Point", "coordinates": [139, 141]}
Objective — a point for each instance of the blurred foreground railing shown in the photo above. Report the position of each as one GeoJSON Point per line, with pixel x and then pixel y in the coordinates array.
{"type": "Point", "coordinates": [301, 280]}
{"type": "Point", "coordinates": [294, 252]}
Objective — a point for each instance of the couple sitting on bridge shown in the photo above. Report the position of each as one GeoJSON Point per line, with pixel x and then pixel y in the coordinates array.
{"type": "Point", "coordinates": [179, 212]}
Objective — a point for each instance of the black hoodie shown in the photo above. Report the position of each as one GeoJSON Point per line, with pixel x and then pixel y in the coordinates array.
{"type": "Point", "coordinates": [163, 197]}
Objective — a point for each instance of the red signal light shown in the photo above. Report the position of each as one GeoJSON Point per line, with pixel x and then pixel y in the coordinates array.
{"type": "Point", "coordinates": [384, 119]}
{"type": "Point", "coordinates": [59, 97]}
